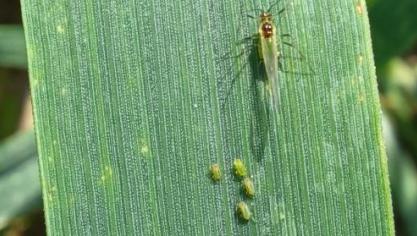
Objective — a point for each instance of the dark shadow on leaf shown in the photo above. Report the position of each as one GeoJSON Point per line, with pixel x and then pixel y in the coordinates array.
{"type": "Point", "coordinates": [259, 122]}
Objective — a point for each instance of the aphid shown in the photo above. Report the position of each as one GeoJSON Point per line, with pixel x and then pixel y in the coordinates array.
{"type": "Point", "coordinates": [243, 211]}
{"type": "Point", "coordinates": [240, 168]}
{"type": "Point", "coordinates": [248, 188]}
{"type": "Point", "coordinates": [269, 54]}
{"type": "Point", "coordinates": [215, 171]}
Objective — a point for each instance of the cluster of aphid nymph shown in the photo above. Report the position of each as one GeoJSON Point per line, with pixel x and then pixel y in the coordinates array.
{"type": "Point", "coordinates": [240, 171]}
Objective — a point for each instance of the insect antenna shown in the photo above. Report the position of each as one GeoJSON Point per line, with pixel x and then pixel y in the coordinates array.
{"type": "Point", "coordinates": [273, 5]}
{"type": "Point", "coordinates": [263, 10]}
{"type": "Point", "coordinates": [252, 10]}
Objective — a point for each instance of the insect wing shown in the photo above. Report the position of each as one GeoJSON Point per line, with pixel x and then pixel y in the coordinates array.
{"type": "Point", "coordinates": [270, 60]}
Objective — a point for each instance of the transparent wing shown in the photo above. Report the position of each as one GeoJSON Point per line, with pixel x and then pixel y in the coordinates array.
{"type": "Point", "coordinates": [270, 59]}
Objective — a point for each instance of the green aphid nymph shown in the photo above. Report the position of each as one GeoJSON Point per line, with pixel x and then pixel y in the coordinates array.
{"type": "Point", "coordinates": [215, 172]}
{"type": "Point", "coordinates": [248, 188]}
{"type": "Point", "coordinates": [239, 168]}
{"type": "Point", "coordinates": [243, 211]}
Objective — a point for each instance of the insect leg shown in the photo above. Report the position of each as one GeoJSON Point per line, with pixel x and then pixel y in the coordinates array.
{"type": "Point", "coordinates": [229, 91]}
{"type": "Point", "coordinates": [245, 50]}
{"type": "Point", "coordinates": [281, 68]}
{"type": "Point", "coordinates": [250, 16]}
{"type": "Point", "coordinates": [292, 46]}
{"type": "Point", "coordinates": [302, 57]}
{"type": "Point", "coordinates": [251, 38]}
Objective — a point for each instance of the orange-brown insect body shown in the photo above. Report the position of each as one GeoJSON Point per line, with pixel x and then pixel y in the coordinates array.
{"type": "Point", "coordinates": [265, 26]}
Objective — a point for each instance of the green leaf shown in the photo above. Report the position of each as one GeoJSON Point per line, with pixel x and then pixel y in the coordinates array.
{"type": "Point", "coordinates": [12, 47]}
{"type": "Point", "coordinates": [131, 109]}
{"type": "Point", "coordinates": [19, 182]}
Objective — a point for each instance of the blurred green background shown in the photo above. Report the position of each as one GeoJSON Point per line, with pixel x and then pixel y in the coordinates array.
{"type": "Point", "coordinates": [394, 34]}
